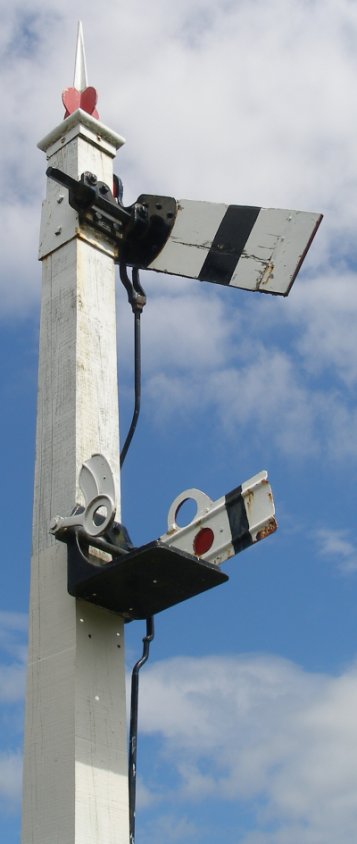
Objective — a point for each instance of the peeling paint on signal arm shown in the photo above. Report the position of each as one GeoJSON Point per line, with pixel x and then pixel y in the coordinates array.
{"type": "Point", "coordinates": [258, 249]}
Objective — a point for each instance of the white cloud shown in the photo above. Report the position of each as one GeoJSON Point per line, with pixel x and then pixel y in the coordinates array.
{"type": "Point", "coordinates": [286, 368]}
{"type": "Point", "coordinates": [325, 311]}
{"type": "Point", "coordinates": [12, 683]}
{"type": "Point", "coordinates": [245, 102]}
{"type": "Point", "coordinates": [188, 332]}
{"type": "Point", "coordinates": [144, 795]}
{"type": "Point", "coordinates": [13, 635]}
{"type": "Point", "coordinates": [226, 101]}
{"type": "Point", "coordinates": [13, 630]}
{"type": "Point", "coordinates": [13, 621]}
{"type": "Point", "coordinates": [10, 779]}
{"type": "Point", "coordinates": [20, 277]}
{"type": "Point", "coordinates": [169, 827]}
{"type": "Point", "coordinates": [263, 393]}
{"type": "Point", "coordinates": [260, 732]}
{"type": "Point", "coordinates": [339, 547]}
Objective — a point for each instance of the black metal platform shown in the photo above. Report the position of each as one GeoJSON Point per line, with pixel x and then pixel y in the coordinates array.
{"type": "Point", "coordinates": [143, 582]}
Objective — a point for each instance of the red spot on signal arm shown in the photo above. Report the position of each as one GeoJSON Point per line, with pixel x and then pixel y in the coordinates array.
{"type": "Point", "coordinates": [203, 541]}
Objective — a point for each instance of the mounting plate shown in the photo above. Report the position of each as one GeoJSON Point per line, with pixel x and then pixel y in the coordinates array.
{"type": "Point", "coordinates": [144, 582]}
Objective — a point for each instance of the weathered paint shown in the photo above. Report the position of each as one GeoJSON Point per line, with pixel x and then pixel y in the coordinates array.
{"type": "Point", "coordinates": [80, 143]}
{"type": "Point", "coordinates": [239, 246]}
{"type": "Point", "coordinates": [235, 521]}
{"type": "Point", "coordinates": [75, 759]}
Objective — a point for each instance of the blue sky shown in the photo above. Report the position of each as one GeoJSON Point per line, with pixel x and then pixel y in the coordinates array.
{"type": "Point", "coordinates": [248, 729]}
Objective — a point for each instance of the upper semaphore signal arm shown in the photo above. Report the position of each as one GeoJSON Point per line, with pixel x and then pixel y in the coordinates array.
{"type": "Point", "coordinates": [254, 248]}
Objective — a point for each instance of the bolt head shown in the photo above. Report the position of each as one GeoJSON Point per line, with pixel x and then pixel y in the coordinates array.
{"type": "Point", "coordinates": [54, 524]}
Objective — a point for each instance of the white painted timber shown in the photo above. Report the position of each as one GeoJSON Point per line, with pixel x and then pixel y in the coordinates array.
{"type": "Point", "coordinates": [95, 146]}
{"type": "Point", "coordinates": [75, 758]}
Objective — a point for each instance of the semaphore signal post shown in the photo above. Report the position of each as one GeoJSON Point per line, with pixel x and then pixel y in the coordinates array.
{"type": "Point", "coordinates": [87, 578]}
{"type": "Point", "coordinates": [75, 760]}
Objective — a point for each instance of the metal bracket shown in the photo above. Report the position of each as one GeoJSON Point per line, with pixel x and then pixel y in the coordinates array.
{"type": "Point", "coordinates": [139, 582]}
{"type": "Point", "coordinates": [138, 232]}
{"type": "Point", "coordinates": [135, 291]}
{"type": "Point", "coordinates": [94, 524]}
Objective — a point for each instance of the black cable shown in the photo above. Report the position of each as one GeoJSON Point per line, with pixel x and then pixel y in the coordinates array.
{"type": "Point", "coordinates": [137, 386]}
{"type": "Point", "coordinates": [133, 732]}
{"type": "Point", "coordinates": [137, 300]}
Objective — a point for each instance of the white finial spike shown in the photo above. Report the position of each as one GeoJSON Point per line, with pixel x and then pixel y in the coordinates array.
{"type": "Point", "coordinates": [80, 67]}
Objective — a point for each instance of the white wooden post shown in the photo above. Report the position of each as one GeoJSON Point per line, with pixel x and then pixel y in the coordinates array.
{"type": "Point", "coordinates": [75, 758]}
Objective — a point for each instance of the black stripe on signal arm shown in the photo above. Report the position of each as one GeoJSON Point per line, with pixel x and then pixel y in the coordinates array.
{"type": "Point", "coordinates": [228, 243]}
{"type": "Point", "coordinates": [238, 521]}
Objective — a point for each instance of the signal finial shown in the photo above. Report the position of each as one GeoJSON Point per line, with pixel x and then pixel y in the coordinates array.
{"type": "Point", "coordinates": [80, 66]}
{"type": "Point", "coordinates": [80, 96]}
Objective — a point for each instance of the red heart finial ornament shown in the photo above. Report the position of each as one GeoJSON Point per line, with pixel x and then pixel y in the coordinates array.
{"type": "Point", "coordinates": [86, 100]}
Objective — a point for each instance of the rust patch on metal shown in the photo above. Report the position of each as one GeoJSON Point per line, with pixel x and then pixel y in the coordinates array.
{"type": "Point", "coordinates": [271, 527]}
{"type": "Point", "coordinates": [266, 275]}
{"type": "Point", "coordinates": [249, 498]}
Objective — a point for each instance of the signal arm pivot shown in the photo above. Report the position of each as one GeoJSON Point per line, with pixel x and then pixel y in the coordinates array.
{"type": "Point", "coordinates": [182, 563]}
{"type": "Point", "coordinates": [250, 247]}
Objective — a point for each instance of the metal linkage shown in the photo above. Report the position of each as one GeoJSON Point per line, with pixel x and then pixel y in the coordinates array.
{"type": "Point", "coordinates": [133, 732]}
{"type": "Point", "coordinates": [138, 232]}
{"type": "Point", "coordinates": [251, 247]}
{"type": "Point", "coordinates": [138, 582]}
{"type": "Point", "coordinates": [94, 524]}
{"type": "Point", "coordinates": [137, 300]}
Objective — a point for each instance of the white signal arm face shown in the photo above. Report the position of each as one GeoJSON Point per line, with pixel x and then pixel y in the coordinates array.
{"type": "Point", "coordinates": [220, 529]}
{"type": "Point", "coordinates": [238, 245]}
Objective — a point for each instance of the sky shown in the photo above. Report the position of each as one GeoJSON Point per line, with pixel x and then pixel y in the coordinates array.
{"type": "Point", "coordinates": [248, 729]}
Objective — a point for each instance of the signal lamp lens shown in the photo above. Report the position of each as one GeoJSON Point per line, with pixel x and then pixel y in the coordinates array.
{"type": "Point", "coordinates": [203, 541]}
